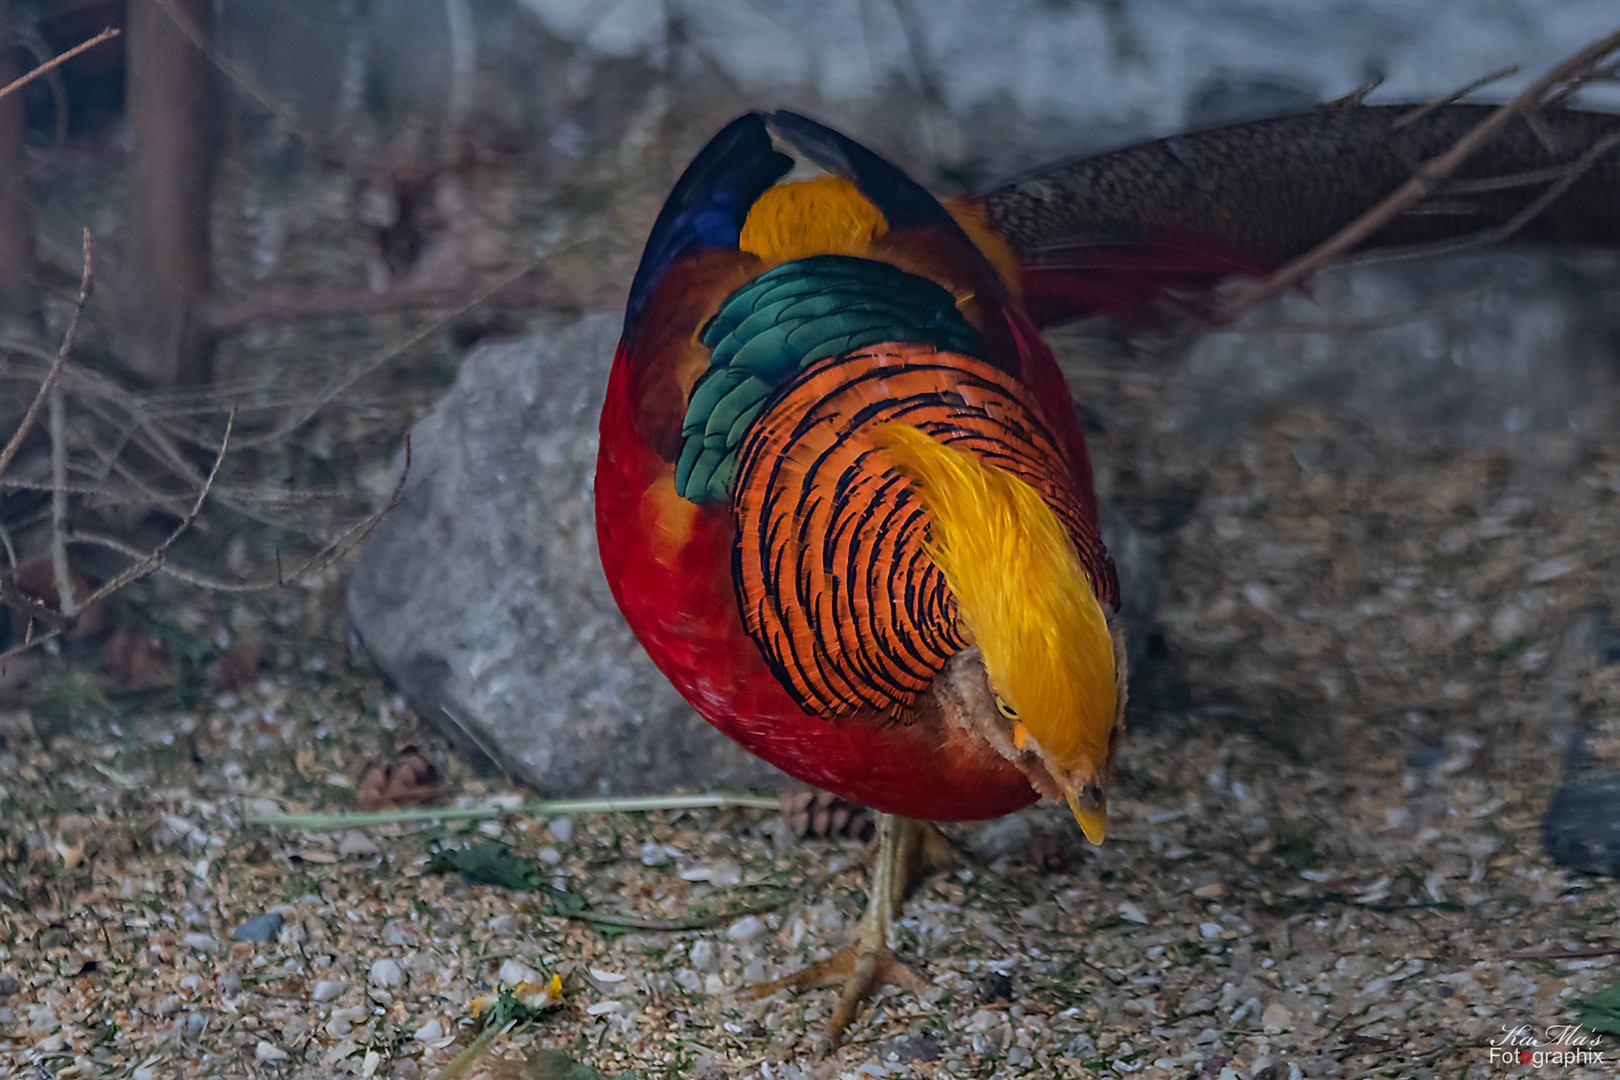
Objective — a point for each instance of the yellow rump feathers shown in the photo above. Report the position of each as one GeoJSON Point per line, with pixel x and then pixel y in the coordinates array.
{"type": "Point", "coordinates": [827, 215]}
{"type": "Point", "coordinates": [1023, 594]}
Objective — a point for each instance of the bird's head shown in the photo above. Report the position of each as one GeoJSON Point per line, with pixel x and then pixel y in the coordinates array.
{"type": "Point", "coordinates": [1043, 682]}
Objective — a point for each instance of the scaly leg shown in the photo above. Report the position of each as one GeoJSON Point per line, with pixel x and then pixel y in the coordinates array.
{"type": "Point", "coordinates": [904, 849]}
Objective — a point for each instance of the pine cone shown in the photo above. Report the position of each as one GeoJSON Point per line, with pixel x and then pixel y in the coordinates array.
{"type": "Point", "coordinates": [409, 780]}
{"type": "Point", "coordinates": [823, 815]}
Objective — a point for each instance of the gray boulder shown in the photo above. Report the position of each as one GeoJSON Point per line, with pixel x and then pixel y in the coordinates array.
{"type": "Point", "coordinates": [481, 595]}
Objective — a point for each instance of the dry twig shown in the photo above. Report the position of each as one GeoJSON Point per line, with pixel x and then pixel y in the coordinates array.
{"type": "Point", "coordinates": [1579, 68]}
{"type": "Point", "coordinates": [16, 84]}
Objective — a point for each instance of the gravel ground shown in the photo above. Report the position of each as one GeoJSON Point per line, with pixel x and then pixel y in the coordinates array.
{"type": "Point", "coordinates": [1324, 862]}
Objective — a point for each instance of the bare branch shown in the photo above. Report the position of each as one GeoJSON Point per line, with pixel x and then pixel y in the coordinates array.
{"type": "Point", "coordinates": [1428, 176]}
{"type": "Point", "coordinates": [59, 563]}
{"type": "Point", "coordinates": [378, 359]}
{"type": "Point", "coordinates": [1455, 96]}
{"type": "Point", "coordinates": [16, 84]}
{"type": "Point", "coordinates": [86, 285]}
{"type": "Point", "coordinates": [158, 555]}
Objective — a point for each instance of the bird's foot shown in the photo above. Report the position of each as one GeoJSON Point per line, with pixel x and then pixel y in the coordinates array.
{"type": "Point", "coordinates": [904, 849]}
{"type": "Point", "coordinates": [859, 969]}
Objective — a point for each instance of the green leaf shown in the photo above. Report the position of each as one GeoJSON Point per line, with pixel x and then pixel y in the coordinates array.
{"type": "Point", "coordinates": [493, 863]}
{"type": "Point", "coordinates": [558, 1065]}
{"type": "Point", "coordinates": [1601, 1011]}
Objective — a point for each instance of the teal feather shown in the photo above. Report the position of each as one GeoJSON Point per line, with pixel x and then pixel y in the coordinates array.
{"type": "Point", "coordinates": [789, 317]}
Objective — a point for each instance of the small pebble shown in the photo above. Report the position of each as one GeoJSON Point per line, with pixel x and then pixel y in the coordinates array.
{"type": "Point", "coordinates": [995, 986]}
{"type": "Point", "coordinates": [704, 956]}
{"type": "Point", "coordinates": [746, 928]}
{"type": "Point", "coordinates": [429, 1032]}
{"type": "Point", "coordinates": [269, 1052]}
{"type": "Point", "coordinates": [1132, 913]}
{"type": "Point", "coordinates": [260, 928]}
{"type": "Point", "coordinates": [1276, 1018]}
{"type": "Point", "coordinates": [357, 844]}
{"type": "Point", "coordinates": [907, 1048]}
{"type": "Point", "coordinates": [563, 829]}
{"type": "Point", "coordinates": [552, 857]}
{"type": "Point", "coordinates": [327, 990]}
{"type": "Point", "coordinates": [504, 925]}
{"type": "Point", "coordinates": [201, 942]}
{"type": "Point", "coordinates": [516, 971]}
{"type": "Point", "coordinates": [386, 973]}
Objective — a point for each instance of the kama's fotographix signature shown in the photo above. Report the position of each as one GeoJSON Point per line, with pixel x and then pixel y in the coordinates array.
{"type": "Point", "coordinates": [1556, 1044]}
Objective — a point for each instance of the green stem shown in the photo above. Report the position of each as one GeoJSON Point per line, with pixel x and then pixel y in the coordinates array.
{"type": "Point", "coordinates": [629, 804]}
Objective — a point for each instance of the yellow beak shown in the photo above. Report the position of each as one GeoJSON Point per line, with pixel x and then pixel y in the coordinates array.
{"type": "Point", "coordinates": [1090, 808]}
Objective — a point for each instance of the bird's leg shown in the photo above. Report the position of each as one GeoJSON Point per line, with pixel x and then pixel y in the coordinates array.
{"type": "Point", "coordinates": [904, 848]}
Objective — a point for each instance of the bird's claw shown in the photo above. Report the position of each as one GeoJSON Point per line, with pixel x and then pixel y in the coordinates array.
{"type": "Point", "coordinates": [861, 970]}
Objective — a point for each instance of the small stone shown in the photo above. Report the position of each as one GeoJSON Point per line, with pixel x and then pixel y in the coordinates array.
{"type": "Point", "coordinates": [1132, 913]}
{"type": "Point", "coordinates": [906, 1048]}
{"type": "Point", "coordinates": [8, 986]}
{"type": "Point", "coordinates": [1510, 622]}
{"type": "Point", "coordinates": [327, 990]}
{"type": "Point", "coordinates": [260, 928]}
{"type": "Point", "coordinates": [357, 844]}
{"type": "Point", "coordinates": [563, 829]}
{"type": "Point", "coordinates": [704, 956]}
{"type": "Point", "coordinates": [550, 856]}
{"type": "Point", "coordinates": [429, 1032]}
{"type": "Point", "coordinates": [1213, 891]}
{"type": "Point", "coordinates": [1276, 1018]}
{"type": "Point", "coordinates": [1551, 570]}
{"type": "Point", "coordinates": [386, 973]}
{"type": "Point", "coordinates": [504, 925]}
{"type": "Point", "coordinates": [268, 1052]}
{"type": "Point", "coordinates": [513, 972]}
{"type": "Point", "coordinates": [1210, 931]}
{"type": "Point", "coordinates": [201, 942]}
{"type": "Point", "coordinates": [1082, 1047]}
{"type": "Point", "coordinates": [995, 986]}
{"type": "Point", "coordinates": [607, 976]}
{"type": "Point", "coordinates": [746, 928]}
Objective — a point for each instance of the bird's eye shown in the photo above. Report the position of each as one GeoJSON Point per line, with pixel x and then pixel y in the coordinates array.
{"type": "Point", "coordinates": [1005, 709]}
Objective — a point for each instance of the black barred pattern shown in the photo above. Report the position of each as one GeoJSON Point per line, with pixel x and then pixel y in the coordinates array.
{"type": "Point", "coordinates": [830, 564]}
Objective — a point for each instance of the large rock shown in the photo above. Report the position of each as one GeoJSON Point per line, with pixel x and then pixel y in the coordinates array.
{"type": "Point", "coordinates": [1490, 349]}
{"type": "Point", "coordinates": [482, 597]}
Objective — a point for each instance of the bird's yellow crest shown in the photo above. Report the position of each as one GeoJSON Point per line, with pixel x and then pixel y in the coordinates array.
{"type": "Point", "coordinates": [826, 215]}
{"type": "Point", "coordinates": [1023, 593]}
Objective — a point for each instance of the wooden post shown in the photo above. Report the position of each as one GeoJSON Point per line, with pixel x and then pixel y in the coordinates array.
{"type": "Point", "coordinates": [171, 109]}
{"type": "Point", "coordinates": [19, 293]}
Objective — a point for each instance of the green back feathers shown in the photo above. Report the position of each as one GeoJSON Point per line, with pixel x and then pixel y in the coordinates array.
{"type": "Point", "coordinates": [783, 321]}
